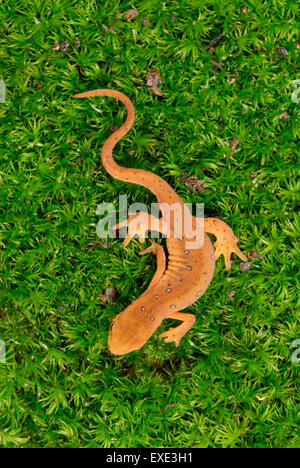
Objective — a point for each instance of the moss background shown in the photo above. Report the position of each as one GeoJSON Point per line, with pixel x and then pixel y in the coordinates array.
{"type": "Point", "coordinates": [226, 116]}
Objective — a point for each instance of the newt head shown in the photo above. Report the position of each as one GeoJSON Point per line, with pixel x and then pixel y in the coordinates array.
{"type": "Point", "coordinates": [131, 328]}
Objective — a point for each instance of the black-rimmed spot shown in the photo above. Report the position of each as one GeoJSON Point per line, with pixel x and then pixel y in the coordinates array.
{"type": "Point", "coordinates": [186, 252]}
{"type": "Point", "coordinates": [152, 319]}
{"type": "Point", "coordinates": [189, 267]}
{"type": "Point", "coordinates": [143, 309]}
{"type": "Point", "coordinates": [168, 290]}
{"type": "Point", "coordinates": [173, 306]}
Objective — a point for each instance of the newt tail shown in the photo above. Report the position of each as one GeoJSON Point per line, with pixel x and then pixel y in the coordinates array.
{"type": "Point", "coordinates": [135, 176]}
{"type": "Point", "coordinates": [183, 279]}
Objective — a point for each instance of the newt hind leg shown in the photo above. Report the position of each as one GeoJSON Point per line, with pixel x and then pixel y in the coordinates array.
{"type": "Point", "coordinates": [159, 252]}
{"type": "Point", "coordinates": [175, 334]}
{"type": "Point", "coordinates": [226, 242]}
{"type": "Point", "coordinates": [138, 224]}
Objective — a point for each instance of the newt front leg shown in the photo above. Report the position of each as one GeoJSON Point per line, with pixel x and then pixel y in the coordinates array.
{"type": "Point", "coordinates": [139, 223]}
{"type": "Point", "coordinates": [226, 242]}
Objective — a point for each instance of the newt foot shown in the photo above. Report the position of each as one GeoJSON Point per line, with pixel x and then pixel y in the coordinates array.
{"type": "Point", "coordinates": [226, 248]}
{"type": "Point", "coordinates": [175, 334]}
{"type": "Point", "coordinates": [138, 224]}
{"type": "Point", "coordinates": [171, 335]}
{"type": "Point", "coordinates": [153, 248]}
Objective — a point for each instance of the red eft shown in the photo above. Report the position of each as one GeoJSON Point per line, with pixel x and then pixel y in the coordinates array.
{"type": "Point", "coordinates": [178, 282]}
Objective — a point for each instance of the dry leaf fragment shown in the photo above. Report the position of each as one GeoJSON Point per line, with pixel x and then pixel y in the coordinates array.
{"type": "Point", "coordinates": [282, 51]}
{"type": "Point", "coordinates": [284, 115]}
{"type": "Point", "coordinates": [106, 29]}
{"type": "Point", "coordinates": [79, 70]}
{"type": "Point", "coordinates": [233, 145]}
{"type": "Point", "coordinates": [61, 46]}
{"type": "Point", "coordinates": [153, 78]}
{"type": "Point", "coordinates": [56, 46]}
{"type": "Point", "coordinates": [192, 182]}
{"type": "Point", "coordinates": [218, 65]}
{"type": "Point", "coordinates": [64, 45]}
{"type": "Point", "coordinates": [110, 294]}
{"type": "Point", "coordinates": [145, 21]}
{"type": "Point", "coordinates": [261, 399]}
{"type": "Point", "coordinates": [244, 266]}
{"type": "Point", "coordinates": [253, 254]}
{"type": "Point", "coordinates": [210, 46]}
{"type": "Point", "coordinates": [169, 406]}
{"type": "Point", "coordinates": [129, 14]}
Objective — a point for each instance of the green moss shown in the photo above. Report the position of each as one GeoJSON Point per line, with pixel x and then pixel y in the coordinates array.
{"type": "Point", "coordinates": [232, 382]}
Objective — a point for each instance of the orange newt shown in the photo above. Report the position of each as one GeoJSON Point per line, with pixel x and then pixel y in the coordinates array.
{"type": "Point", "coordinates": [178, 282]}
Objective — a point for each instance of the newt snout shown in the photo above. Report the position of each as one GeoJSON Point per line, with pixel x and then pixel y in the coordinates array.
{"type": "Point", "coordinates": [128, 331]}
